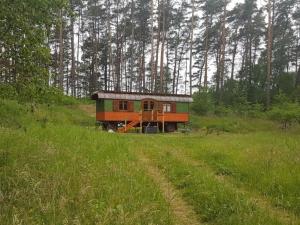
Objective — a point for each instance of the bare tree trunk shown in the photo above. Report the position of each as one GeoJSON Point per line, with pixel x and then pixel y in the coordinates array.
{"type": "Point", "coordinates": [175, 67]}
{"type": "Point", "coordinates": [178, 69]}
{"type": "Point", "coordinates": [206, 51]}
{"type": "Point", "coordinates": [191, 47]}
{"type": "Point", "coordinates": [61, 52]}
{"type": "Point", "coordinates": [73, 65]}
{"type": "Point", "coordinates": [143, 67]}
{"type": "Point", "coordinates": [118, 58]}
{"type": "Point", "coordinates": [186, 75]}
{"type": "Point", "coordinates": [200, 76]}
{"type": "Point", "coordinates": [152, 47]}
{"type": "Point", "coordinates": [234, 55]}
{"type": "Point", "coordinates": [68, 79]}
{"type": "Point", "coordinates": [78, 51]}
{"type": "Point", "coordinates": [162, 55]}
{"type": "Point", "coordinates": [131, 47]}
{"type": "Point", "coordinates": [110, 63]}
{"type": "Point", "coordinates": [223, 48]}
{"type": "Point", "coordinates": [157, 49]}
{"type": "Point", "coordinates": [269, 54]}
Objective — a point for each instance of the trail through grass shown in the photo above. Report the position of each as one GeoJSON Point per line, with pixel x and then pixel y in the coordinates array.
{"type": "Point", "coordinates": [182, 212]}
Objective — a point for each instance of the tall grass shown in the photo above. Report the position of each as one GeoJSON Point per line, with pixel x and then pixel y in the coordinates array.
{"type": "Point", "coordinates": [63, 172]}
{"type": "Point", "coordinates": [56, 168]}
{"type": "Point", "coordinates": [264, 162]}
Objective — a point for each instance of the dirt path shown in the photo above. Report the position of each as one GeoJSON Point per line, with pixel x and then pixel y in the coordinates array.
{"type": "Point", "coordinates": [257, 199]}
{"type": "Point", "coordinates": [182, 211]}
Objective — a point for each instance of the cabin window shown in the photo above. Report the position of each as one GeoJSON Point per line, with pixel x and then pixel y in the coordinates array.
{"type": "Point", "coordinates": [148, 105]}
{"type": "Point", "coordinates": [167, 107]}
{"type": "Point", "coordinates": [123, 105]}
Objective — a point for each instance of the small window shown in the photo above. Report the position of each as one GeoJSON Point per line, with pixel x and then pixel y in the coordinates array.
{"type": "Point", "coordinates": [167, 107]}
{"type": "Point", "coordinates": [148, 105]}
{"type": "Point", "coordinates": [145, 106]}
{"type": "Point", "coordinates": [151, 105]}
{"type": "Point", "coordinates": [123, 105]}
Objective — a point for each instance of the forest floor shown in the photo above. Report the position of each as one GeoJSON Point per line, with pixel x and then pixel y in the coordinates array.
{"type": "Point", "coordinates": [57, 168]}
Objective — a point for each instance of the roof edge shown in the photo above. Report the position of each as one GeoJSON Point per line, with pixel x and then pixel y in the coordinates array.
{"type": "Point", "coordinates": [140, 96]}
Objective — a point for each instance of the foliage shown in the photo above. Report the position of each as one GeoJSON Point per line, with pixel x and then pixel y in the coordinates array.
{"type": "Point", "coordinates": [287, 114]}
{"type": "Point", "coordinates": [231, 123]}
{"type": "Point", "coordinates": [203, 103]}
{"type": "Point", "coordinates": [25, 54]}
{"type": "Point", "coordinates": [36, 93]}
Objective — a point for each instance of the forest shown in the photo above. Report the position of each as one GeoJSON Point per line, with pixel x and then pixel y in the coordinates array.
{"type": "Point", "coordinates": [227, 53]}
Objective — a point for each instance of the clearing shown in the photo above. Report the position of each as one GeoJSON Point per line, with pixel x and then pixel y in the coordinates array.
{"type": "Point", "coordinates": [56, 168]}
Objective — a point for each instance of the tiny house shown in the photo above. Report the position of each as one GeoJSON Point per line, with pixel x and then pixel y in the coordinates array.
{"type": "Point", "coordinates": [124, 112]}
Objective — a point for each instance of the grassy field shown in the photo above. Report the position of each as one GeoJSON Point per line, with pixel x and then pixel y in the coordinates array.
{"type": "Point", "coordinates": [56, 168]}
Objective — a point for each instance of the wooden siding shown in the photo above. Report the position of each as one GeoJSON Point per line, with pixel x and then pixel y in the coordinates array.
{"type": "Point", "coordinates": [135, 116]}
{"type": "Point", "coordinates": [108, 105]}
{"type": "Point", "coordinates": [100, 106]}
{"type": "Point", "coordinates": [182, 107]}
{"type": "Point", "coordinates": [117, 116]}
{"type": "Point", "coordinates": [137, 106]}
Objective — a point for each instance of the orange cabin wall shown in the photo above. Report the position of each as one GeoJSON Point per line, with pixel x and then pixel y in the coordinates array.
{"type": "Point", "coordinates": [135, 116]}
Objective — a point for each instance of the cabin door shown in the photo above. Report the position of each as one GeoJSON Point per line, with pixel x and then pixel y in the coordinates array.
{"type": "Point", "coordinates": [149, 110]}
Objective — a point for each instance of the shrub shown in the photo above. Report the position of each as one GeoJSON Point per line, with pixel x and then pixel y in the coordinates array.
{"type": "Point", "coordinates": [221, 110]}
{"type": "Point", "coordinates": [37, 93]}
{"type": "Point", "coordinates": [7, 92]}
{"type": "Point", "coordinates": [203, 103]}
{"type": "Point", "coordinates": [286, 114]}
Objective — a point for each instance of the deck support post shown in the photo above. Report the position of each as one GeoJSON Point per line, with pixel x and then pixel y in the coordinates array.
{"type": "Point", "coordinates": [163, 121]}
{"type": "Point", "coordinates": [141, 122]}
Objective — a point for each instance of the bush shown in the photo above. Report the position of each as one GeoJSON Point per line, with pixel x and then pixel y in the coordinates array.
{"type": "Point", "coordinates": [35, 92]}
{"type": "Point", "coordinates": [286, 114]}
{"type": "Point", "coordinates": [203, 103]}
{"type": "Point", "coordinates": [7, 92]}
{"type": "Point", "coordinates": [221, 110]}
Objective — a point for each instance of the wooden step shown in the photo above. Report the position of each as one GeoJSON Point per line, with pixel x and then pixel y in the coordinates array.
{"type": "Point", "coordinates": [128, 126]}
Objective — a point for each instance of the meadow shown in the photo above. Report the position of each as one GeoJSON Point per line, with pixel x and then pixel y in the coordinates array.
{"type": "Point", "coordinates": [56, 167]}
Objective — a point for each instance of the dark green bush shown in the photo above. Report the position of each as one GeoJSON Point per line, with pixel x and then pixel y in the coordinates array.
{"type": "Point", "coordinates": [203, 103]}
{"type": "Point", "coordinates": [287, 114]}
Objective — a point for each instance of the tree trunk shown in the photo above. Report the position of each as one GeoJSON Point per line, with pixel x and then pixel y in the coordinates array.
{"type": "Point", "coordinates": [118, 57]}
{"type": "Point", "coordinates": [157, 49]}
{"type": "Point", "coordinates": [78, 51]}
{"type": "Point", "coordinates": [269, 54]}
{"type": "Point", "coordinates": [110, 63]}
{"type": "Point", "coordinates": [143, 67]}
{"type": "Point", "coordinates": [131, 48]}
{"type": "Point", "coordinates": [162, 53]}
{"type": "Point", "coordinates": [61, 52]}
{"type": "Point", "coordinates": [206, 51]}
{"type": "Point", "coordinates": [222, 53]}
{"type": "Point", "coordinates": [234, 55]}
{"type": "Point", "coordinates": [175, 67]}
{"type": "Point", "coordinates": [152, 47]}
{"type": "Point", "coordinates": [191, 47]}
{"type": "Point", "coordinates": [73, 65]}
